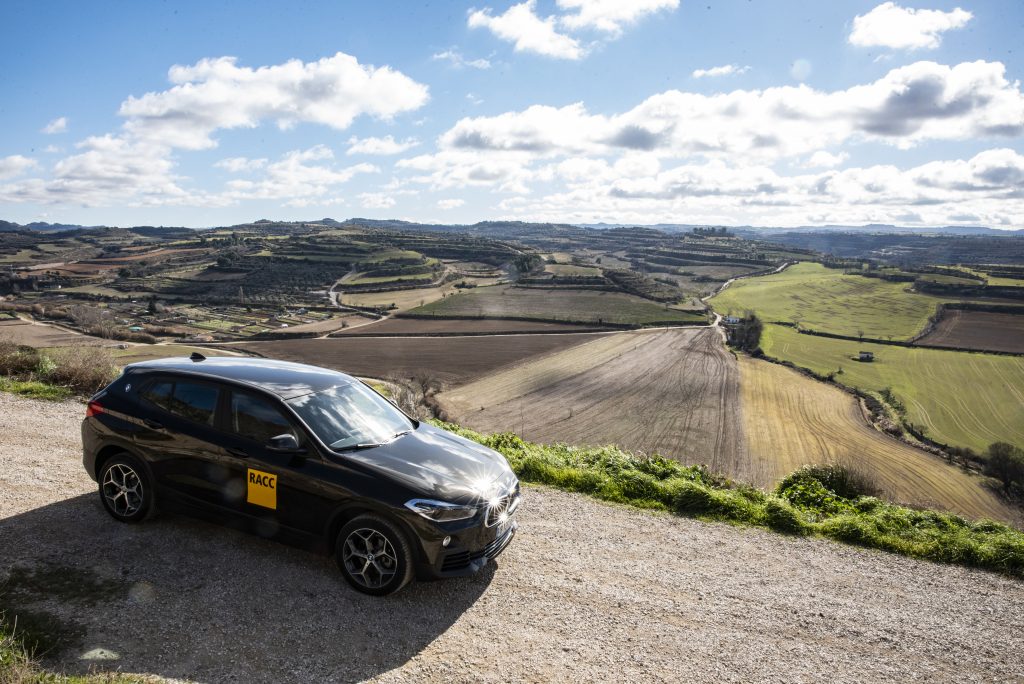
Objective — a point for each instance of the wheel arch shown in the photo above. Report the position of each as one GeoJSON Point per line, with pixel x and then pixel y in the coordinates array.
{"type": "Point", "coordinates": [346, 514]}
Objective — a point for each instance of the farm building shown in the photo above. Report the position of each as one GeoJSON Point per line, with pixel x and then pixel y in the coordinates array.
{"type": "Point", "coordinates": [866, 356]}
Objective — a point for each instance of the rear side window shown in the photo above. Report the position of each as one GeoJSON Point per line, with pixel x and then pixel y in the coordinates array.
{"type": "Point", "coordinates": [193, 401]}
{"type": "Point", "coordinates": [256, 418]}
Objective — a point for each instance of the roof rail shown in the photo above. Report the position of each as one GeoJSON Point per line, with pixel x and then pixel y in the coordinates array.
{"type": "Point", "coordinates": [196, 357]}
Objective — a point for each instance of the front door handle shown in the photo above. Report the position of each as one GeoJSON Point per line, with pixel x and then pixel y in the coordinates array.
{"type": "Point", "coordinates": [240, 453]}
{"type": "Point", "coordinates": [152, 424]}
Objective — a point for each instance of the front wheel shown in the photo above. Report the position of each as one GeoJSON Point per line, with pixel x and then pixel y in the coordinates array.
{"type": "Point", "coordinates": [125, 489]}
{"type": "Point", "coordinates": [374, 555]}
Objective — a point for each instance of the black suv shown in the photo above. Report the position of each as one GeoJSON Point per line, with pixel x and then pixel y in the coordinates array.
{"type": "Point", "coordinates": [305, 455]}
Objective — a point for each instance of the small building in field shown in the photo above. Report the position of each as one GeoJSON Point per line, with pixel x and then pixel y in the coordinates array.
{"type": "Point", "coordinates": [866, 356]}
{"type": "Point", "coordinates": [731, 320]}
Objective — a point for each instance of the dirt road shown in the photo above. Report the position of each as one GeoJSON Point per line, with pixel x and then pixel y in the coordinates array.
{"type": "Point", "coordinates": [671, 391]}
{"type": "Point", "coordinates": [587, 592]}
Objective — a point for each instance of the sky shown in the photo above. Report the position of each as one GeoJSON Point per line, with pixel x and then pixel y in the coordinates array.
{"type": "Point", "coordinates": [748, 112]}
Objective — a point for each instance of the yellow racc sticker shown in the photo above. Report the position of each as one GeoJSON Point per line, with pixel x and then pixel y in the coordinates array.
{"type": "Point", "coordinates": [262, 489]}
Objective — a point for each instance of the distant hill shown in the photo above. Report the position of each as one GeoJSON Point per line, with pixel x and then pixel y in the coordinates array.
{"type": "Point", "coordinates": [774, 230]}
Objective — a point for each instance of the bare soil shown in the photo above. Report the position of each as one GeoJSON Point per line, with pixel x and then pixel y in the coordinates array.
{"type": "Point", "coordinates": [450, 359]}
{"type": "Point", "coordinates": [673, 392]}
{"type": "Point", "coordinates": [587, 592]}
{"type": "Point", "coordinates": [979, 330]}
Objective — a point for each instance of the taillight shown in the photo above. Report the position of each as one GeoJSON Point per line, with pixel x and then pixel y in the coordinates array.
{"type": "Point", "coordinates": [93, 408]}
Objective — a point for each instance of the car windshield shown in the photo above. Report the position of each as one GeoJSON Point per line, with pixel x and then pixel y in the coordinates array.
{"type": "Point", "coordinates": [351, 416]}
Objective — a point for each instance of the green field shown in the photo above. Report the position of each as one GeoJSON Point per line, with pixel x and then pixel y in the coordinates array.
{"type": "Point", "coordinates": [826, 300]}
{"type": "Point", "coordinates": [556, 304]}
{"type": "Point", "coordinates": [962, 399]}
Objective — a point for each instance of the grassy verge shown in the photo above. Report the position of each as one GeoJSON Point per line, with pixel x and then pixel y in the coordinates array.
{"type": "Point", "coordinates": [34, 389]}
{"type": "Point", "coordinates": [827, 501]}
{"type": "Point", "coordinates": [18, 667]}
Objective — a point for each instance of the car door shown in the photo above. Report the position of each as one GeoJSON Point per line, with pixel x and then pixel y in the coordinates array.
{"type": "Point", "coordinates": [286, 491]}
{"type": "Point", "coordinates": [182, 442]}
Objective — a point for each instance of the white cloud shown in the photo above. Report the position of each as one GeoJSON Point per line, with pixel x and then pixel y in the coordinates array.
{"type": "Point", "coordinates": [724, 70]}
{"type": "Point", "coordinates": [216, 94]}
{"type": "Point", "coordinates": [911, 104]}
{"type": "Point", "coordinates": [450, 203]}
{"type": "Point", "coordinates": [458, 61]}
{"type": "Point", "coordinates": [293, 176]}
{"type": "Point", "coordinates": [800, 69]}
{"type": "Point", "coordinates": [15, 165]}
{"type": "Point", "coordinates": [58, 125]}
{"type": "Point", "coordinates": [521, 26]}
{"type": "Point", "coordinates": [136, 166]}
{"type": "Point", "coordinates": [376, 200]}
{"type": "Point", "coordinates": [823, 159]}
{"type": "Point", "coordinates": [889, 25]}
{"type": "Point", "coordinates": [383, 146]}
{"type": "Point", "coordinates": [240, 164]}
{"type": "Point", "coordinates": [610, 16]}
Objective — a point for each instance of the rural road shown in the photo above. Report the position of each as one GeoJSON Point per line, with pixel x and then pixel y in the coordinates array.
{"type": "Point", "coordinates": [587, 592]}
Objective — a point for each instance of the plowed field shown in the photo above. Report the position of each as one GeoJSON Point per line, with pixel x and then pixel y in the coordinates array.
{"type": "Point", "coordinates": [674, 392]}
{"type": "Point", "coordinates": [792, 420]}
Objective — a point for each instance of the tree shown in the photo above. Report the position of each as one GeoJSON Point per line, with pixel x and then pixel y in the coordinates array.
{"type": "Point", "coordinates": [1006, 464]}
{"type": "Point", "coordinates": [746, 335]}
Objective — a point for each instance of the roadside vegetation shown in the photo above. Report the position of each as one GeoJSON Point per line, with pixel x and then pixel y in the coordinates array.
{"type": "Point", "coordinates": [830, 501]}
{"type": "Point", "coordinates": [54, 374]}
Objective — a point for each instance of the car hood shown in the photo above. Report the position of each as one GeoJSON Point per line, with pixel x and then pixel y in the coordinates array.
{"type": "Point", "coordinates": [440, 465]}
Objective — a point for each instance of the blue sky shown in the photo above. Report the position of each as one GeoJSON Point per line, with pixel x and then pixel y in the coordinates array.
{"type": "Point", "coordinates": [745, 112]}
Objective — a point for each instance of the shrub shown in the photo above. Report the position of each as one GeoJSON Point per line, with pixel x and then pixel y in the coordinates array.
{"type": "Point", "coordinates": [1006, 464]}
{"type": "Point", "coordinates": [782, 517]}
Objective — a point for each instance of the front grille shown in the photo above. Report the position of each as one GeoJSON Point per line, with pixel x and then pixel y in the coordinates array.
{"type": "Point", "coordinates": [457, 560]}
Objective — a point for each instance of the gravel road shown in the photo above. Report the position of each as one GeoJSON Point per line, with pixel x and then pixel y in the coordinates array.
{"type": "Point", "coordinates": [587, 592]}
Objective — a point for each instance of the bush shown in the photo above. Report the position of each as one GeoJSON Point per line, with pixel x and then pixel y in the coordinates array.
{"type": "Point", "coordinates": [1006, 464]}
{"type": "Point", "coordinates": [782, 517]}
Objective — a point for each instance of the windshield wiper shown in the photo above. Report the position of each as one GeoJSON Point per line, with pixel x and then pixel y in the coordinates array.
{"type": "Point", "coordinates": [371, 445]}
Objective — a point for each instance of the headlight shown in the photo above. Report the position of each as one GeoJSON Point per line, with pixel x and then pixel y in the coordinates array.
{"type": "Point", "coordinates": [440, 511]}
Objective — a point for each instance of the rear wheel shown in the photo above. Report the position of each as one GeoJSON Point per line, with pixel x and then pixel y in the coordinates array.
{"type": "Point", "coordinates": [125, 489]}
{"type": "Point", "coordinates": [374, 555]}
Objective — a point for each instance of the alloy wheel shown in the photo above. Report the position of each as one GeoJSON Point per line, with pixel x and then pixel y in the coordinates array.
{"type": "Point", "coordinates": [122, 489]}
{"type": "Point", "coordinates": [369, 558]}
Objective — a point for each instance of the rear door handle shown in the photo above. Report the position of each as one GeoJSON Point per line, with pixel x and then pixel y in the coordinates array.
{"type": "Point", "coordinates": [152, 424]}
{"type": "Point", "coordinates": [240, 453]}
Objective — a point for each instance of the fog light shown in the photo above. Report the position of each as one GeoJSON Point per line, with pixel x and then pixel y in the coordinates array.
{"type": "Point", "coordinates": [447, 541]}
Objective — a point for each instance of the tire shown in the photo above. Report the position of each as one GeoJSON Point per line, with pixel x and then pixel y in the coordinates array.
{"type": "Point", "coordinates": [125, 489]}
{"type": "Point", "coordinates": [374, 555]}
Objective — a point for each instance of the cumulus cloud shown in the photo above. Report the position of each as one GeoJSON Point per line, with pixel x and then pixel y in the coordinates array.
{"type": "Point", "coordinates": [889, 25]}
{"type": "Point", "coordinates": [450, 203]}
{"type": "Point", "coordinates": [823, 159]}
{"type": "Point", "coordinates": [136, 165]}
{"type": "Point", "coordinates": [529, 33]}
{"type": "Point", "coordinates": [724, 70]}
{"type": "Point", "coordinates": [610, 16]}
{"type": "Point", "coordinates": [297, 174]}
{"type": "Point", "coordinates": [58, 125]}
{"type": "Point", "coordinates": [376, 200]}
{"type": "Point", "coordinates": [15, 165]}
{"type": "Point", "coordinates": [216, 94]}
{"type": "Point", "coordinates": [240, 164]}
{"type": "Point", "coordinates": [911, 104]}
{"type": "Point", "coordinates": [382, 146]}
{"type": "Point", "coordinates": [458, 61]}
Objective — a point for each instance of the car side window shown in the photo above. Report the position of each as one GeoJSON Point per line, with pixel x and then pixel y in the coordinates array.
{"type": "Point", "coordinates": [258, 419]}
{"type": "Point", "coordinates": [158, 393]}
{"type": "Point", "coordinates": [193, 401]}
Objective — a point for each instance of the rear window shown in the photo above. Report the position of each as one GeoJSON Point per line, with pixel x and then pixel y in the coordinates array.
{"type": "Point", "coordinates": [193, 401]}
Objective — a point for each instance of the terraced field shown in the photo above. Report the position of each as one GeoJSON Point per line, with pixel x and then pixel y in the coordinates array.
{"type": "Point", "coordinates": [674, 392]}
{"type": "Point", "coordinates": [826, 300]}
{"type": "Point", "coordinates": [556, 304]}
{"type": "Point", "coordinates": [791, 420]}
{"type": "Point", "coordinates": [979, 330]}
{"type": "Point", "coordinates": [961, 398]}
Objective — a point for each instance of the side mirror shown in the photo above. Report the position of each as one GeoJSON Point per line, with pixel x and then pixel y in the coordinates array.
{"type": "Point", "coordinates": [285, 443]}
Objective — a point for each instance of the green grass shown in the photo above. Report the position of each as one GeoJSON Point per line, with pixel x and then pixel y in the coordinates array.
{"type": "Point", "coordinates": [962, 399]}
{"type": "Point", "coordinates": [827, 300]}
{"type": "Point", "coordinates": [556, 305]}
{"type": "Point", "coordinates": [808, 502]}
{"type": "Point", "coordinates": [359, 279]}
{"type": "Point", "coordinates": [34, 389]}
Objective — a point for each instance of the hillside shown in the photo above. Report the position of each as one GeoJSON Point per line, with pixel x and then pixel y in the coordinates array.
{"type": "Point", "coordinates": [570, 599]}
